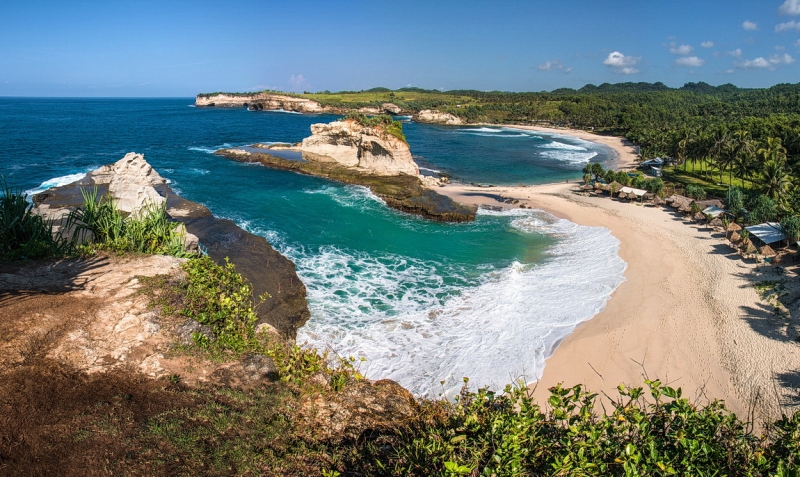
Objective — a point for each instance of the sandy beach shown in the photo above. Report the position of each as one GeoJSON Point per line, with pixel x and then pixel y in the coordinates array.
{"type": "Point", "coordinates": [688, 314]}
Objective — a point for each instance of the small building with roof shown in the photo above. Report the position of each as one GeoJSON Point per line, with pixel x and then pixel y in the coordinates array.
{"type": "Point", "coordinates": [767, 233]}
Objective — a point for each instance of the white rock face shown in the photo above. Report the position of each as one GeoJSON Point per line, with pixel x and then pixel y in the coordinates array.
{"type": "Point", "coordinates": [131, 182]}
{"type": "Point", "coordinates": [369, 149]}
{"type": "Point", "coordinates": [391, 108]}
{"type": "Point", "coordinates": [267, 101]}
{"type": "Point", "coordinates": [433, 116]}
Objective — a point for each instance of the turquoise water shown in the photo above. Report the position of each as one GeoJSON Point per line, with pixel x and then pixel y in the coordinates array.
{"type": "Point", "coordinates": [422, 301]}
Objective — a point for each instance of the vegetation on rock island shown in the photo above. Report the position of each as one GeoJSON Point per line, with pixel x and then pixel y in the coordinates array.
{"type": "Point", "coordinates": [383, 121]}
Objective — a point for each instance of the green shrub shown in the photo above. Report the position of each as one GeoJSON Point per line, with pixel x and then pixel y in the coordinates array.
{"type": "Point", "coordinates": [696, 192]}
{"type": "Point", "coordinates": [384, 121]}
{"type": "Point", "coordinates": [100, 223]}
{"type": "Point", "coordinates": [25, 234]}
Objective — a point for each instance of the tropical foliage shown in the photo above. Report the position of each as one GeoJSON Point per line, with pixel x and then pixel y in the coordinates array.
{"type": "Point", "coordinates": [24, 234]}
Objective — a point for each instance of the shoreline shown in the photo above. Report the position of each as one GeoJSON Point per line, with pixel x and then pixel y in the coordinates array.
{"type": "Point", "coordinates": [687, 314]}
{"type": "Point", "coordinates": [626, 153]}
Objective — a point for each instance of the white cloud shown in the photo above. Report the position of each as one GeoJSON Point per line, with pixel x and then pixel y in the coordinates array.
{"type": "Point", "coordinates": [681, 50]}
{"type": "Point", "coordinates": [792, 25]}
{"type": "Point", "coordinates": [729, 71]}
{"type": "Point", "coordinates": [748, 25]}
{"type": "Point", "coordinates": [762, 63]}
{"type": "Point", "coordinates": [690, 61]}
{"type": "Point", "coordinates": [621, 63]}
{"type": "Point", "coordinates": [790, 7]}
{"type": "Point", "coordinates": [298, 83]}
{"type": "Point", "coordinates": [736, 53]}
{"type": "Point", "coordinates": [707, 44]}
{"type": "Point", "coordinates": [797, 43]}
{"type": "Point", "coordinates": [554, 65]}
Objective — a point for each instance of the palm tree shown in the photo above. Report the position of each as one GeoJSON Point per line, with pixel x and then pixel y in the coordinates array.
{"type": "Point", "coordinates": [774, 179]}
{"type": "Point", "coordinates": [744, 152]}
{"type": "Point", "coordinates": [720, 150]}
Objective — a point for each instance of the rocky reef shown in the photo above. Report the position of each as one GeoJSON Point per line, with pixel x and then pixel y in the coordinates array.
{"type": "Point", "coordinates": [133, 183]}
{"type": "Point", "coordinates": [349, 152]}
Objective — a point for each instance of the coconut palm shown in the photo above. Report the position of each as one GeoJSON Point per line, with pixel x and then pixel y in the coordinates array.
{"type": "Point", "coordinates": [774, 179]}
{"type": "Point", "coordinates": [744, 154]}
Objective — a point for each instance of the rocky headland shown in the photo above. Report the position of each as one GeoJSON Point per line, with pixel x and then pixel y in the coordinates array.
{"type": "Point", "coordinates": [433, 116]}
{"type": "Point", "coordinates": [350, 152]}
{"type": "Point", "coordinates": [133, 183]}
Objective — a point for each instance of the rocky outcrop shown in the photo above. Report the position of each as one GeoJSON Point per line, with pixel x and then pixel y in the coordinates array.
{"type": "Point", "coordinates": [132, 182]}
{"type": "Point", "coordinates": [260, 101]}
{"type": "Point", "coordinates": [433, 116]}
{"type": "Point", "coordinates": [391, 108]}
{"type": "Point", "coordinates": [369, 149]}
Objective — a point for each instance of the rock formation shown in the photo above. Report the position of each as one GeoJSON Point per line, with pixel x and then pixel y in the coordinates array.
{"type": "Point", "coordinates": [433, 116]}
{"type": "Point", "coordinates": [369, 149]}
{"type": "Point", "coordinates": [132, 182]}
{"type": "Point", "coordinates": [391, 108]}
{"type": "Point", "coordinates": [261, 101]}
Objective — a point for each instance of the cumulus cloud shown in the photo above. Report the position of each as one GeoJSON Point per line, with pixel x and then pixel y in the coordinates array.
{"type": "Point", "coordinates": [736, 53]}
{"type": "Point", "coordinates": [681, 50]}
{"type": "Point", "coordinates": [298, 82]}
{"type": "Point", "coordinates": [690, 61]}
{"type": "Point", "coordinates": [748, 25]}
{"type": "Point", "coordinates": [790, 7]}
{"type": "Point", "coordinates": [707, 44]}
{"type": "Point", "coordinates": [792, 25]}
{"type": "Point", "coordinates": [621, 63]}
{"type": "Point", "coordinates": [762, 63]}
{"type": "Point", "coordinates": [554, 65]}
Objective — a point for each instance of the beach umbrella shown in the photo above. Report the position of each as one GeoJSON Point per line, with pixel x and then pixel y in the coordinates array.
{"type": "Point", "coordinates": [699, 216]}
{"type": "Point", "coordinates": [767, 251]}
{"type": "Point", "coordinates": [632, 196]}
{"type": "Point", "coordinates": [733, 227]}
{"type": "Point", "coordinates": [587, 187]}
{"type": "Point", "coordinates": [749, 247]}
{"type": "Point", "coordinates": [735, 237]}
{"type": "Point", "coordinates": [716, 222]}
{"type": "Point", "coordinates": [658, 200]}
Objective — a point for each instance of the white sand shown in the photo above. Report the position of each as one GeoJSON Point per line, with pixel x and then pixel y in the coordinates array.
{"type": "Point", "coordinates": [688, 313]}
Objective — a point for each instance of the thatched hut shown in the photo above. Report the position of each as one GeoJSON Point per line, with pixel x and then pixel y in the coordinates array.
{"type": "Point", "coordinates": [704, 204]}
{"type": "Point", "coordinates": [716, 223]}
{"type": "Point", "coordinates": [735, 238]}
{"type": "Point", "coordinates": [733, 227]}
{"type": "Point", "coordinates": [632, 196]}
{"type": "Point", "coordinates": [699, 217]}
{"type": "Point", "coordinates": [748, 247]}
{"type": "Point", "coordinates": [658, 200]}
{"type": "Point", "coordinates": [767, 251]}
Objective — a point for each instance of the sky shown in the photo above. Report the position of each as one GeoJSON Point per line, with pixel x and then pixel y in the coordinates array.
{"type": "Point", "coordinates": [180, 48]}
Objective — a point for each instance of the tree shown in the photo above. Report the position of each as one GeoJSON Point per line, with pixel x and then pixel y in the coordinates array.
{"type": "Point", "coordinates": [762, 209]}
{"type": "Point", "coordinates": [790, 226]}
{"type": "Point", "coordinates": [696, 192]}
{"type": "Point", "coordinates": [735, 201]}
{"type": "Point", "coordinates": [774, 179]}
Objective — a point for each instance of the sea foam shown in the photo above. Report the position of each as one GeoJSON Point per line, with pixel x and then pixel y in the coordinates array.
{"type": "Point", "coordinates": [420, 325]}
{"type": "Point", "coordinates": [55, 182]}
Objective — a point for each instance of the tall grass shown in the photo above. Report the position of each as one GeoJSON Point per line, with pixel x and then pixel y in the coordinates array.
{"type": "Point", "coordinates": [25, 234]}
{"type": "Point", "coordinates": [100, 223]}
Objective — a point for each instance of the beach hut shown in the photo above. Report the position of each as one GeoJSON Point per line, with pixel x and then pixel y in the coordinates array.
{"type": "Point", "coordinates": [733, 227]}
{"type": "Point", "coordinates": [713, 211]}
{"type": "Point", "coordinates": [632, 193]}
{"type": "Point", "coordinates": [658, 200]}
{"type": "Point", "coordinates": [716, 223]}
{"type": "Point", "coordinates": [613, 188]}
{"type": "Point", "coordinates": [704, 204]}
{"type": "Point", "coordinates": [735, 238]}
{"type": "Point", "coordinates": [699, 217]}
{"type": "Point", "coordinates": [767, 233]}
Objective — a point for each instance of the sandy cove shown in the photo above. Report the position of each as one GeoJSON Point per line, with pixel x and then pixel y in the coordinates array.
{"type": "Point", "coordinates": [687, 314]}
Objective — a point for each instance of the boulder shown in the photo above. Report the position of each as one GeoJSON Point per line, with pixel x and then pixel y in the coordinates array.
{"type": "Point", "coordinates": [391, 108]}
{"type": "Point", "coordinates": [369, 149]}
{"type": "Point", "coordinates": [131, 182]}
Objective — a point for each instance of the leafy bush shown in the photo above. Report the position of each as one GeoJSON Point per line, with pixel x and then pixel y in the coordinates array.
{"type": "Point", "coordinates": [734, 200]}
{"type": "Point", "coordinates": [384, 121]}
{"type": "Point", "coordinates": [790, 226]}
{"type": "Point", "coordinates": [100, 222]}
{"type": "Point", "coordinates": [762, 209]}
{"type": "Point", "coordinates": [696, 192]}
{"type": "Point", "coordinates": [24, 234]}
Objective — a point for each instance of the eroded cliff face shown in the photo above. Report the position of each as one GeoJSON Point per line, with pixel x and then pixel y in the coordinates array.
{"type": "Point", "coordinates": [261, 101]}
{"type": "Point", "coordinates": [369, 149]}
{"type": "Point", "coordinates": [433, 116]}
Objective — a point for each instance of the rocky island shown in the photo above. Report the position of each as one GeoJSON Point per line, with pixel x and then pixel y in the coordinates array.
{"type": "Point", "coordinates": [371, 152]}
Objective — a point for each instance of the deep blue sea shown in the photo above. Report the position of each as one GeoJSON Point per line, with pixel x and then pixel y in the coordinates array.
{"type": "Point", "coordinates": [423, 302]}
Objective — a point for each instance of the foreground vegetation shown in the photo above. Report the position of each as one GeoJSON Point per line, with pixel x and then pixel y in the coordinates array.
{"type": "Point", "coordinates": [97, 225]}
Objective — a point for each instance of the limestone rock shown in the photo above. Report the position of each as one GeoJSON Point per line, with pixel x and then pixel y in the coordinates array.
{"type": "Point", "coordinates": [261, 101]}
{"type": "Point", "coordinates": [131, 182]}
{"type": "Point", "coordinates": [391, 108]}
{"type": "Point", "coordinates": [369, 149]}
{"type": "Point", "coordinates": [185, 333]}
{"type": "Point", "coordinates": [433, 116]}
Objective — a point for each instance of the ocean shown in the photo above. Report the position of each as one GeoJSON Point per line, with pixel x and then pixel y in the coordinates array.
{"type": "Point", "coordinates": [424, 303]}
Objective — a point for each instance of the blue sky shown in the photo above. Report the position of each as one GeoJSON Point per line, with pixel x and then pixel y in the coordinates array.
{"type": "Point", "coordinates": [181, 48]}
